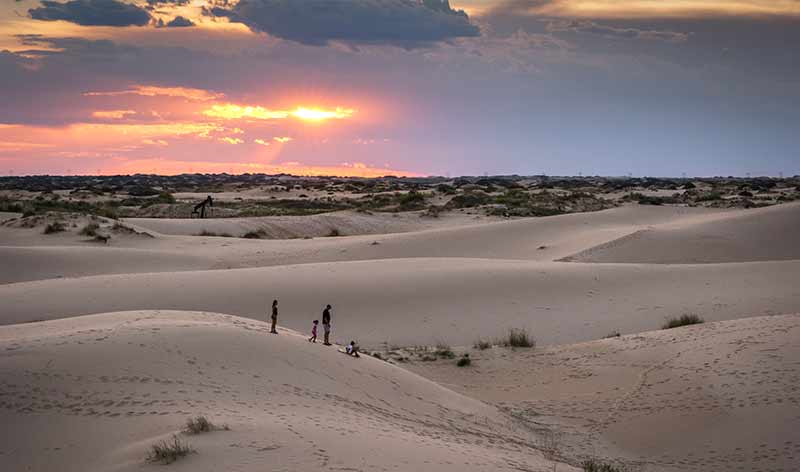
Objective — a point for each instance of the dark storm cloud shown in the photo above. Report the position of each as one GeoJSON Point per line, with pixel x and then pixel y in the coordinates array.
{"type": "Point", "coordinates": [316, 22]}
{"type": "Point", "coordinates": [92, 13]}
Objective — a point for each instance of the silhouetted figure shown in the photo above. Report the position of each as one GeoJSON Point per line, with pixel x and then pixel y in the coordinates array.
{"type": "Point", "coordinates": [313, 337]}
{"type": "Point", "coordinates": [274, 317]}
{"type": "Point", "coordinates": [200, 208]}
{"type": "Point", "coordinates": [326, 324]}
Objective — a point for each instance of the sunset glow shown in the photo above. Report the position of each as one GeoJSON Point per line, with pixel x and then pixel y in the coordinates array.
{"type": "Point", "coordinates": [317, 114]}
{"type": "Point", "coordinates": [230, 111]}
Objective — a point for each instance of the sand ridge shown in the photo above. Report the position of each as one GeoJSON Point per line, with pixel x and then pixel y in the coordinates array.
{"type": "Point", "coordinates": [289, 404]}
{"type": "Point", "coordinates": [717, 396]}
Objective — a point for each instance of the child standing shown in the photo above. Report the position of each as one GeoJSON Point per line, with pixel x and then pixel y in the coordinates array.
{"type": "Point", "coordinates": [313, 337]}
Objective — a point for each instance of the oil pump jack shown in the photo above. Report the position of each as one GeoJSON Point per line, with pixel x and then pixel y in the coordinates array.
{"type": "Point", "coordinates": [200, 208]}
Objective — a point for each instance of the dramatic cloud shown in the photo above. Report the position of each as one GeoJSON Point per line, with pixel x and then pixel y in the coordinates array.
{"type": "Point", "coordinates": [180, 22]}
{"type": "Point", "coordinates": [92, 13]}
{"type": "Point", "coordinates": [316, 22]}
{"type": "Point", "coordinates": [154, 91]}
{"type": "Point", "coordinates": [651, 8]}
{"type": "Point", "coordinates": [591, 27]}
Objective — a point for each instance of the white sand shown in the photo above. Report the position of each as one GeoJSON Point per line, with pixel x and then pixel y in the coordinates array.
{"type": "Point", "coordinates": [713, 397]}
{"type": "Point", "coordinates": [93, 393]}
{"type": "Point", "coordinates": [771, 233]}
{"type": "Point", "coordinates": [65, 382]}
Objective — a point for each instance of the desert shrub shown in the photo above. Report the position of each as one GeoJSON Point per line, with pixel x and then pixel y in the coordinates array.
{"type": "Point", "coordinates": [168, 452]}
{"type": "Point", "coordinates": [428, 358]}
{"type": "Point", "coordinates": [709, 197]}
{"type": "Point", "coordinates": [593, 465]}
{"type": "Point", "coordinates": [211, 233]}
{"type": "Point", "coordinates": [6, 204]}
{"type": "Point", "coordinates": [464, 361]}
{"type": "Point", "coordinates": [518, 337]}
{"type": "Point", "coordinates": [443, 350]}
{"type": "Point", "coordinates": [334, 233]}
{"type": "Point", "coordinates": [199, 424]}
{"type": "Point", "coordinates": [412, 200]}
{"type": "Point", "coordinates": [90, 229]}
{"type": "Point", "coordinates": [482, 344]}
{"type": "Point", "coordinates": [142, 191]}
{"type": "Point", "coordinates": [613, 334]}
{"type": "Point", "coordinates": [54, 227]}
{"type": "Point", "coordinates": [254, 234]}
{"type": "Point", "coordinates": [469, 200]}
{"type": "Point", "coordinates": [683, 320]}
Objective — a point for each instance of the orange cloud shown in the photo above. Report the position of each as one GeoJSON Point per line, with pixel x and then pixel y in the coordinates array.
{"type": "Point", "coordinates": [172, 167]}
{"type": "Point", "coordinates": [261, 142]}
{"type": "Point", "coordinates": [154, 91]}
{"type": "Point", "coordinates": [233, 112]}
{"type": "Point", "coordinates": [112, 114]}
{"type": "Point", "coordinates": [282, 139]}
{"type": "Point", "coordinates": [230, 140]}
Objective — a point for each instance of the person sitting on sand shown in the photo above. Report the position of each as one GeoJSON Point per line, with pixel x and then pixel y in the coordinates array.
{"type": "Point", "coordinates": [326, 325]}
{"type": "Point", "coordinates": [274, 317]}
{"type": "Point", "coordinates": [352, 349]}
{"type": "Point", "coordinates": [313, 337]}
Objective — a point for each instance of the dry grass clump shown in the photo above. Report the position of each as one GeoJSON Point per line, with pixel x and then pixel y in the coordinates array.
{"type": "Point", "coordinates": [90, 230]}
{"type": "Point", "coordinates": [200, 424]}
{"type": "Point", "coordinates": [597, 466]}
{"type": "Point", "coordinates": [255, 234]}
{"type": "Point", "coordinates": [464, 361]}
{"type": "Point", "coordinates": [55, 227]}
{"type": "Point", "coordinates": [444, 351]}
{"type": "Point", "coordinates": [482, 344]}
{"type": "Point", "coordinates": [518, 337]}
{"type": "Point", "coordinates": [168, 452]}
{"type": "Point", "coordinates": [683, 320]}
{"type": "Point", "coordinates": [211, 233]}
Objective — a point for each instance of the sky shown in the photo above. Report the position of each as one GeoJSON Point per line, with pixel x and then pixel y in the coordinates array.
{"type": "Point", "coordinates": [400, 87]}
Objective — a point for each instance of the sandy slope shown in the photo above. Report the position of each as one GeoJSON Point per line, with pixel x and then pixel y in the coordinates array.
{"type": "Point", "coordinates": [542, 239]}
{"type": "Point", "coordinates": [715, 397]}
{"type": "Point", "coordinates": [417, 301]}
{"type": "Point", "coordinates": [36, 263]}
{"type": "Point", "coordinates": [287, 227]}
{"type": "Point", "coordinates": [771, 233]}
{"type": "Point", "coordinates": [92, 393]}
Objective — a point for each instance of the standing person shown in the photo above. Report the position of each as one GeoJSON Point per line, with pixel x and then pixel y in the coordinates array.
{"type": "Point", "coordinates": [313, 337]}
{"type": "Point", "coordinates": [274, 317]}
{"type": "Point", "coordinates": [326, 324]}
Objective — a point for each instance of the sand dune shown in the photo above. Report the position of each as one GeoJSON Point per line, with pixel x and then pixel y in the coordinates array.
{"type": "Point", "coordinates": [714, 397]}
{"type": "Point", "coordinates": [538, 239]}
{"type": "Point", "coordinates": [418, 301]}
{"type": "Point", "coordinates": [290, 405]}
{"type": "Point", "coordinates": [763, 234]}
{"type": "Point", "coordinates": [37, 263]}
{"type": "Point", "coordinates": [287, 227]}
